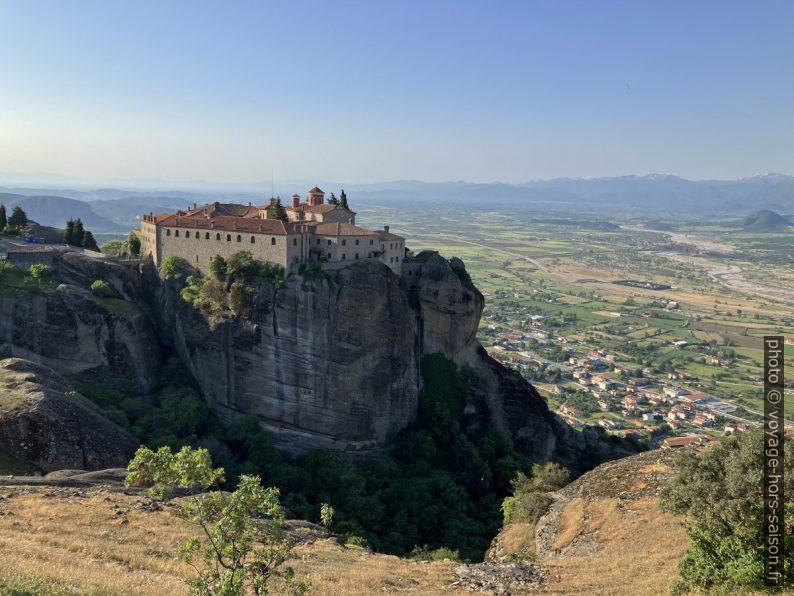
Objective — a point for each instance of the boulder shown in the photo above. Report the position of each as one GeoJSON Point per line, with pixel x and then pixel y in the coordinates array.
{"type": "Point", "coordinates": [46, 424]}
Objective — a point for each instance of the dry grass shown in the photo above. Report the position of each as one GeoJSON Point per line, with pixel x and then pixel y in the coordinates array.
{"type": "Point", "coordinates": [65, 540]}
{"type": "Point", "coordinates": [640, 549]}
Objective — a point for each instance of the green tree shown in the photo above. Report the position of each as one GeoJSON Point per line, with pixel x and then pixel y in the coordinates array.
{"type": "Point", "coordinates": [68, 235]}
{"type": "Point", "coordinates": [89, 243]}
{"type": "Point", "coordinates": [173, 266]}
{"type": "Point", "coordinates": [134, 244]}
{"type": "Point", "coordinates": [333, 200]}
{"type": "Point", "coordinates": [218, 267]}
{"type": "Point", "coordinates": [3, 217]}
{"type": "Point", "coordinates": [278, 210]}
{"type": "Point", "coordinates": [39, 271]}
{"type": "Point", "coordinates": [343, 199]}
{"type": "Point", "coordinates": [244, 543]}
{"type": "Point", "coordinates": [78, 233]}
{"type": "Point", "coordinates": [112, 248]}
{"type": "Point", "coordinates": [18, 219]}
{"type": "Point", "coordinates": [720, 490]}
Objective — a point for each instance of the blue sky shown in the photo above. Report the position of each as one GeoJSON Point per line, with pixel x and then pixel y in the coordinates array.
{"type": "Point", "coordinates": [374, 90]}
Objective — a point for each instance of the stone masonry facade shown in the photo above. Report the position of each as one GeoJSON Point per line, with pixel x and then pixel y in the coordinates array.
{"type": "Point", "coordinates": [286, 236]}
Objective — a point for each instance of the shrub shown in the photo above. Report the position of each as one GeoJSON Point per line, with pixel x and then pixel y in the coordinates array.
{"type": "Point", "coordinates": [164, 471]}
{"type": "Point", "coordinates": [218, 267]}
{"type": "Point", "coordinates": [720, 489]}
{"type": "Point", "coordinates": [174, 266]}
{"type": "Point", "coordinates": [39, 271]}
{"type": "Point", "coordinates": [134, 244]}
{"type": "Point", "coordinates": [102, 289]}
{"type": "Point", "coordinates": [6, 268]}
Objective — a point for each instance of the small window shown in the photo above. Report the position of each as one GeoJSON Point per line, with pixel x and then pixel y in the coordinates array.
{"type": "Point", "coordinates": [329, 255]}
{"type": "Point", "coordinates": [168, 232]}
{"type": "Point", "coordinates": [253, 239]}
{"type": "Point", "coordinates": [217, 236]}
{"type": "Point", "coordinates": [329, 243]}
{"type": "Point", "coordinates": [273, 241]}
{"type": "Point", "coordinates": [228, 237]}
{"type": "Point", "coordinates": [207, 236]}
{"type": "Point", "coordinates": [318, 241]}
{"type": "Point", "coordinates": [344, 242]}
{"type": "Point", "coordinates": [176, 233]}
{"type": "Point", "coordinates": [356, 241]}
{"type": "Point", "coordinates": [343, 256]}
{"type": "Point", "coordinates": [396, 259]}
{"type": "Point", "coordinates": [239, 238]}
{"type": "Point", "coordinates": [187, 234]}
{"type": "Point", "coordinates": [294, 242]}
{"type": "Point", "coordinates": [356, 255]}
{"type": "Point", "coordinates": [370, 241]}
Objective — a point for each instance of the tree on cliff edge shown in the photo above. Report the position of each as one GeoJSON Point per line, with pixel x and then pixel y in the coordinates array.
{"type": "Point", "coordinates": [3, 218]}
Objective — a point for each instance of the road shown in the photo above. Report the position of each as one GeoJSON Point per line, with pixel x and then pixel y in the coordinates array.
{"type": "Point", "coordinates": [515, 255]}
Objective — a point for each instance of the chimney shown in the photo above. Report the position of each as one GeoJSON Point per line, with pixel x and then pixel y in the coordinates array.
{"type": "Point", "coordinates": [385, 228]}
{"type": "Point", "coordinates": [296, 200]}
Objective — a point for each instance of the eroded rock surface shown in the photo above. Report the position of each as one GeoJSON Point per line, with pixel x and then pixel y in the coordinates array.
{"type": "Point", "coordinates": [44, 423]}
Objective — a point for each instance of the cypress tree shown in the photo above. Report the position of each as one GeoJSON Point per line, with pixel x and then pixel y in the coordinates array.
{"type": "Point", "coordinates": [68, 234]}
{"type": "Point", "coordinates": [343, 199]}
{"type": "Point", "coordinates": [3, 218]}
{"type": "Point", "coordinates": [89, 242]}
{"type": "Point", "coordinates": [18, 218]}
{"type": "Point", "coordinates": [279, 212]}
{"type": "Point", "coordinates": [78, 233]}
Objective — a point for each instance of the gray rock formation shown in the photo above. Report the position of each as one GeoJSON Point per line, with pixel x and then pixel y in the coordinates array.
{"type": "Point", "coordinates": [44, 423]}
{"type": "Point", "coordinates": [73, 332]}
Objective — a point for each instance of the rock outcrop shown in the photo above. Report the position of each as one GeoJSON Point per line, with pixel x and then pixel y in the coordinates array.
{"type": "Point", "coordinates": [44, 423]}
{"type": "Point", "coordinates": [325, 362]}
{"type": "Point", "coordinates": [76, 333]}
{"type": "Point", "coordinates": [328, 363]}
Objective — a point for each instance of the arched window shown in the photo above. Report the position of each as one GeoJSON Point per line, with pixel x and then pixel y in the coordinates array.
{"type": "Point", "coordinates": [273, 241]}
{"type": "Point", "coordinates": [217, 236]}
{"type": "Point", "coordinates": [187, 234]}
{"type": "Point", "coordinates": [228, 237]}
{"type": "Point", "coordinates": [239, 238]}
{"type": "Point", "coordinates": [207, 236]}
{"type": "Point", "coordinates": [253, 239]}
{"type": "Point", "coordinates": [294, 242]}
{"type": "Point", "coordinates": [176, 233]}
{"type": "Point", "coordinates": [168, 232]}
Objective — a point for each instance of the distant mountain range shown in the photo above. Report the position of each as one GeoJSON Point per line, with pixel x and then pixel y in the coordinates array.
{"type": "Point", "coordinates": [114, 210]}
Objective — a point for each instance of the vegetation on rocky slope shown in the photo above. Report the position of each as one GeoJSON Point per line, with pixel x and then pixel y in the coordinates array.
{"type": "Point", "coordinates": [436, 488]}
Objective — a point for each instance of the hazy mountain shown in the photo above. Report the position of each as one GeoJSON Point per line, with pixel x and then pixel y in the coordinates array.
{"type": "Point", "coordinates": [765, 221]}
{"type": "Point", "coordinates": [55, 211]}
{"type": "Point", "coordinates": [115, 210]}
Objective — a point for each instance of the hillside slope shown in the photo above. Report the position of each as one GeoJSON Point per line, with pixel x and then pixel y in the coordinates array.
{"type": "Point", "coordinates": [605, 534]}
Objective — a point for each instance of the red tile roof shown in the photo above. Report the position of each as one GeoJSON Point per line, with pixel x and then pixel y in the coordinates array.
{"type": "Point", "coordinates": [342, 229]}
{"type": "Point", "coordinates": [316, 189]}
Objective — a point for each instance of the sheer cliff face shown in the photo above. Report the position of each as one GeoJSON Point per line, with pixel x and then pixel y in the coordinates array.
{"type": "Point", "coordinates": [328, 363]}
{"type": "Point", "coordinates": [335, 363]}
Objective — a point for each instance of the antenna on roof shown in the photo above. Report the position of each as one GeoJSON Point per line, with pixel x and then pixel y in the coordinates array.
{"type": "Point", "coordinates": [272, 184]}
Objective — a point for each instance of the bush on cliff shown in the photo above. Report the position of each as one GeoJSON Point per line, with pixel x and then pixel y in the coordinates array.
{"type": "Point", "coordinates": [720, 490]}
{"type": "Point", "coordinates": [174, 266]}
